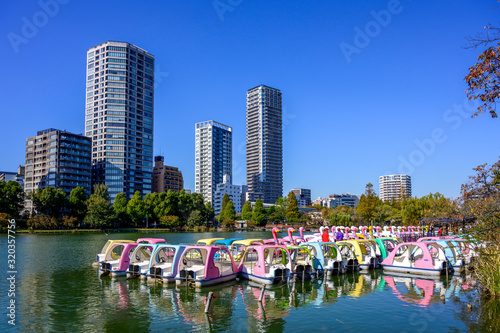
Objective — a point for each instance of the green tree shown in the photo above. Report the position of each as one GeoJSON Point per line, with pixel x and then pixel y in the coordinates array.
{"type": "Point", "coordinates": [280, 212]}
{"type": "Point", "coordinates": [225, 200]}
{"type": "Point", "coordinates": [368, 204]}
{"type": "Point", "coordinates": [77, 203]}
{"type": "Point", "coordinates": [151, 200]}
{"type": "Point", "coordinates": [168, 204]}
{"type": "Point", "coordinates": [185, 205]}
{"type": "Point", "coordinates": [99, 212]}
{"type": "Point", "coordinates": [195, 219]}
{"type": "Point", "coordinates": [101, 190]}
{"type": "Point", "coordinates": [246, 211]}
{"type": "Point", "coordinates": [229, 212]}
{"type": "Point", "coordinates": [292, 209]}
{"type": "Point", "coordinates": [49, 201]}
{"type": "Point", "coordinates": [120, 207]}
{"type": "Point", "coordinates": [136, 208]}
{"type": "Point", "coordinates": [259, 213]}
{"type": "Point", "coordinates": [11, 198]}
{"type": "Point", "coordinates": [383, 212]}
{"type": "Point", "coordinates": [209, 212]}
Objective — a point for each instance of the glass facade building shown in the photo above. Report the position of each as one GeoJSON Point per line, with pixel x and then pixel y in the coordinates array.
{"type": "Point", "coordinates": [264, 144]}
{"type": "Point", "coordinates": [119, 116]}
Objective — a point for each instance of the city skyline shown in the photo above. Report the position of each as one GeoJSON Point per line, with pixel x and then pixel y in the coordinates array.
{"type": "Point", "coordinates": [359, 103]}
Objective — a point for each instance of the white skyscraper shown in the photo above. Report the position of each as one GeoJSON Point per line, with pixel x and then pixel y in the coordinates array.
{"type": "Point", "coordinates": [394, 187]}
{"type": "Point", "coordinates": [214, 159]}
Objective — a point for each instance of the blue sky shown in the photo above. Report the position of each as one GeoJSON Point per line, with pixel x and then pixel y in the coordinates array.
{"type": "Point", "coordinates": [369, 87]}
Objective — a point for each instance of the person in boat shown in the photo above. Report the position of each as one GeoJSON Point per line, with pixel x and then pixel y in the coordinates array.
{"type": "Point", "coordinates": [325, 236]}
{"type": "Point", "coordinates": [339, 235]}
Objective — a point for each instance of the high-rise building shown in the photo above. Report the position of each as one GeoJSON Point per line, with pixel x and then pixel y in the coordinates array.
{"type": "Point", "coordinates": [303, 196]}
{"type": "Point", "coordinates": [214, 159]}
{"type": "Point", "coordinates": [394, 187]}
{"type": "Point", "coordinates": [264, 145]}
{"type": "Point", "coordinates": [119, 116]}
{"type": "Point", "coordinates": [59, 159]}
{"type": "Point", "coordinates": [166, 177]}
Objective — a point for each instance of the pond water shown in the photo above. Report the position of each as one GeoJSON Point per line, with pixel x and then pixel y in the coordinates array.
{"type": "Point", "coordinates": [58, 290]}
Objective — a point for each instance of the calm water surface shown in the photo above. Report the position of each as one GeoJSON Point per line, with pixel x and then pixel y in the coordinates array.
{"type": "Point", "coordinates": [59, 291]}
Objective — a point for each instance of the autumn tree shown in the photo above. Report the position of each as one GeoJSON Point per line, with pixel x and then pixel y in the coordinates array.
{"type": "Point", "coordinates": [480, 198]}
{"type": "Point", "coordinates": [483, 78]}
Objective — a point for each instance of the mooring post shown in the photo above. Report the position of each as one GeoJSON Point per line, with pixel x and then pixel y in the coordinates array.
{"type": "Point", "coordinates": [262, 293]}
{"type": "Point", "coordinates": [209, 300]}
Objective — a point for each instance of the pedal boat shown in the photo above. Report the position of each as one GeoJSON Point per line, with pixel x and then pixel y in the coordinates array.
{"type": "Point", "coordinates": [266, 264]}
{"type": "Point", "coordinates": [164, 263]}
{"type": "Point", "coordinates": [302, 260]}
{"type": "Point", "coordinates": [203, 266]}
{"type": "Point", "coordinates": [117, 259]}
{"type": "Point", "coordinates": [140, 260]}
{"type": "Point", "coordinates": [364, 251]}
{"type": "Point", "coordinates": [326, 258]}
{"type": "Point", "coordinates": [207, 241]}
{"type": "Point", "coordinates": [425, 258]}
{"type": "Point", "coordinates": [102, 254]}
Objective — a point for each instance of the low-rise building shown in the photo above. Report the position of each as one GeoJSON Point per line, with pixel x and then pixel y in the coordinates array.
{"type": "Point", "coordinates": [59, 159]}
{"type": "Point", "coordinates": [166, 177]}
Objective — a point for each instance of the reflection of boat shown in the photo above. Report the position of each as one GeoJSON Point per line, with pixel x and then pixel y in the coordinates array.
{"type": "Point", "coordinates": [164, 263]}
{"type": "Point", "coordinates": [418, 258]}
{"type": "Point", "coordinates": [419, 291]}
{"type": "Point", "coordinates": [102, 254]}
{"type": "Point", "coordinates": [205, 266]}
{"type": "Point", "coordinates": [117, 259]}
{"type": "Point", "coordinates": [326, 257]}
{"type": "Point", "coordinates": [266, 264]}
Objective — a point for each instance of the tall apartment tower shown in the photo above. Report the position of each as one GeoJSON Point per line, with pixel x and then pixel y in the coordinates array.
{"type": "Point", "coordinates": [214, 159]}
{"type": "Point", "coordinates": [59, 159]}
{"type": "Point", "coordinates": [394, 187]}
{"type": "Point", "coordinates": [264, 144]}
{"type": "Point", "coordinates": [119, 116]}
